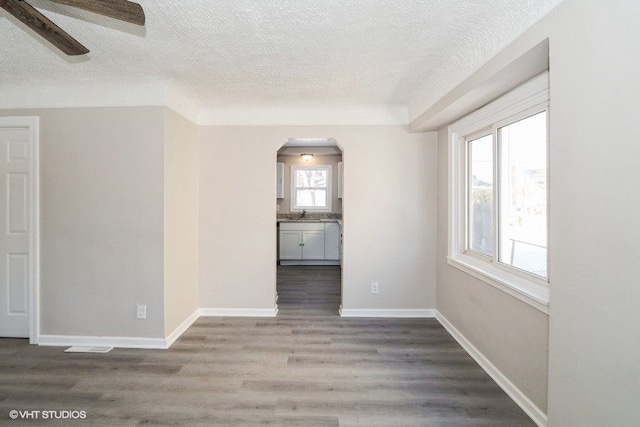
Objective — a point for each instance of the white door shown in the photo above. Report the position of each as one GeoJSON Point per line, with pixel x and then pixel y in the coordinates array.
{"type": "Point", "coordinates": [15, 155]}
{"type": "Point", "coordinates": [290, 244]}
{"type": "Point", "coordinates": [331, 241]}
{"type": "Point", "coordinates": [313, 245]}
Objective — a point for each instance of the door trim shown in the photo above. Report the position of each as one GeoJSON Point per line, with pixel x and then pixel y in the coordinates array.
{"type": "Point", "coordinates": [32, 123]}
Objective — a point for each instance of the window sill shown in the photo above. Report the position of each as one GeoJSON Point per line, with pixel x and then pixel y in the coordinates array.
{"type": "Point", "coordinates": [534, 294]}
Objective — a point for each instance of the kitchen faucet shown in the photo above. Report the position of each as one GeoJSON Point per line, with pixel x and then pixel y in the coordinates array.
{"type": "Point", "coordinates": [304, 212]}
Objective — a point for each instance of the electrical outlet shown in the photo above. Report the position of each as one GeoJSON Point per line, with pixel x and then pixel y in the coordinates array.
{"type": "Point", "coordinates": [141, 311]}
{"type": "Point", "coordinates": [374, 287]}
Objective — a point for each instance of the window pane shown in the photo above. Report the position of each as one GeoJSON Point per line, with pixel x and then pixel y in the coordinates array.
{"type": "Point", "coordinates": [523, 194]}
{"type": "Point", "coordinates": [481, 195]}
{"type": "Point", "coordinates": [311, 198]}
{"type": "Point", "coordinates": [316, 178]}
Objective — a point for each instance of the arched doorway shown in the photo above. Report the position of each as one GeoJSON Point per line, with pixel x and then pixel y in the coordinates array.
{"type": "Point", "coordinates": [309, 226]}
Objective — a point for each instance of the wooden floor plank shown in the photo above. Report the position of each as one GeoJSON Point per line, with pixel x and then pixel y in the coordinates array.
{"type": "Point", "coordinates": [306, 367]}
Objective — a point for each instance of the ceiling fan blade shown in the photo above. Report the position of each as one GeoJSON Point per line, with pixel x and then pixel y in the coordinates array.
{"type": "Point", "coordinates": [43, 26]}
{"type": "Point", "coordinates": [119, 9]}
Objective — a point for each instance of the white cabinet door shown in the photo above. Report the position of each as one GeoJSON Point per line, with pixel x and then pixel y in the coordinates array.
{"type": "Point", "coordinates": [332, 241]}
{"type": "Point", "coordinates": [340, 180]}
{"type": "Point", "coordinates": [313, 245]}
{"type": "Point", "coordinates": [290, 244]}
{"type": "Point", "coordinates": [309, 241]}
{"type": "Point", "coordinates": [279, 180]}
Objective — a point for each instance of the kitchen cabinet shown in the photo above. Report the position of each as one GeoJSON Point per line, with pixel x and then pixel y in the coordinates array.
{"type": "Point", "coordinates": [340, 179]}
{"type": "Point", "coordinates": [331, 241]}
{"type": "Point", "coordinates": [312, 244]}
{"type": "Point", "coordinates": [279, 180]}
{"type": "Point", "coordinates": [301, 245]}
{"type": "Point", "coordinates": [309, 243]}
{"type": "Point", "coordinates": [290, 244]}
{"type": "Point", "coordinates": [302, 241]}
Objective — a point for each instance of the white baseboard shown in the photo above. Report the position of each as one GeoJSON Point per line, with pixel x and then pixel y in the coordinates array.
{"type": "Point", "coordinates": [173, 336]}
{"type": "Point", "coordinates": [403, 313]}
{"type": "Point", "coordinates": [117, 342]}
{"type": "Point", "coordinates": [539, 417]}
{"type": "Point", "coordinates": [239, 312]}
{"type": "Point", "coordinates": [153, 343]}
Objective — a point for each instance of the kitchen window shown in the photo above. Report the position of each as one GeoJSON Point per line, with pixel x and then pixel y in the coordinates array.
{"type": "Point", "coordinates": [499, 193]}
{"type": "Point", "coordinates": [311, 188]}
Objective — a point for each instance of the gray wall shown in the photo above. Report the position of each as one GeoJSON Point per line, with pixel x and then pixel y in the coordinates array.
{"type": "Point", "coordinates": [511, 334]}
{"type": "Point", "coordinates": [593, 377]}
{"type": "Point", "coordinates": [119, 220]}
{"type": "Point", "coordinates": [101, 212]}
{"type": "Point", "coordinates": [389, 224]}
{"type": "Point", "coordinates": [181, 224]}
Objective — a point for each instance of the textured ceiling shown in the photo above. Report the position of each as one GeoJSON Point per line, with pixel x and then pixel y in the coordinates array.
{"type": "Point", "coordinates": [264, 56]}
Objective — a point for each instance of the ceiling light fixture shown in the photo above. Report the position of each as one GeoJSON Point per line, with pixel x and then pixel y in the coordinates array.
{"type": "Point", "coordinates": [306, 157]}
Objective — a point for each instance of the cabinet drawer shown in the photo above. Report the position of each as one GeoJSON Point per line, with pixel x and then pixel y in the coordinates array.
{"type": "Point", "coordinates": [302, 226]}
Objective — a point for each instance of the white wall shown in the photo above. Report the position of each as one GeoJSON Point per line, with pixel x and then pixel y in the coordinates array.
{"type": "Point", "coordinates": [101, 189]}
{"type": "Point", "coordinates": [389, 224]}
{"type": "Point", "coordinates": [389, 212]}
{"type": "Point", "coordinates": [181, 205]}
{"type": "Point", "coordinates": [593, 377]}
{"type": "Point", "coordinates": [237, 218]}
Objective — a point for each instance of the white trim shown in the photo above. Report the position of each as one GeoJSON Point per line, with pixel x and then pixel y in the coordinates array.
{"type": "Point", "coordinates": [153, 343]}
{"type": "Point", "coordinates": [173, 336]}
{"type": "Point", "coordinates": [531, 93]}
{"type": "Point", "coordinates": [117, 342]}
{"type": "Point", "coordinates": [251, 114]}
{"type": "Point", "coordinates": [33, 124]}
{"type": "Point", "coordinates": [530, 408]}
{"type": "Point", "coordinates": [531, 291]}
{"type": "Point", "coordinates": [418, 313]}
{"type": "Point", "coordinates": [34, 245]}
{"type": "Point", "coordinates": [239, 312]}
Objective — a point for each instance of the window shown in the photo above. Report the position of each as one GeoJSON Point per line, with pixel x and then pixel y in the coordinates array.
{"type": "Point", "coordinates": [512, 225]}
{"type": "Point", "coordinates": [523, 194]}
{"type": "Point", "coordinates": [311, 188]}
{"type": "Point", "coordinates": [499, 192]}
{"type": "Point", "coordinates": [480, 195]}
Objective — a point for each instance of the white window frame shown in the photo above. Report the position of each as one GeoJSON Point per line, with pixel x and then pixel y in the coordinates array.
{"type": "Point", "coordinates": [294, 201]}
{"type": "Point", "coordinates": [521, 102]}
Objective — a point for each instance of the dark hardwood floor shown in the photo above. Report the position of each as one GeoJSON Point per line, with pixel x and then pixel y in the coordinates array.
{"type": "Point", "coordinates": [307, 367]}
